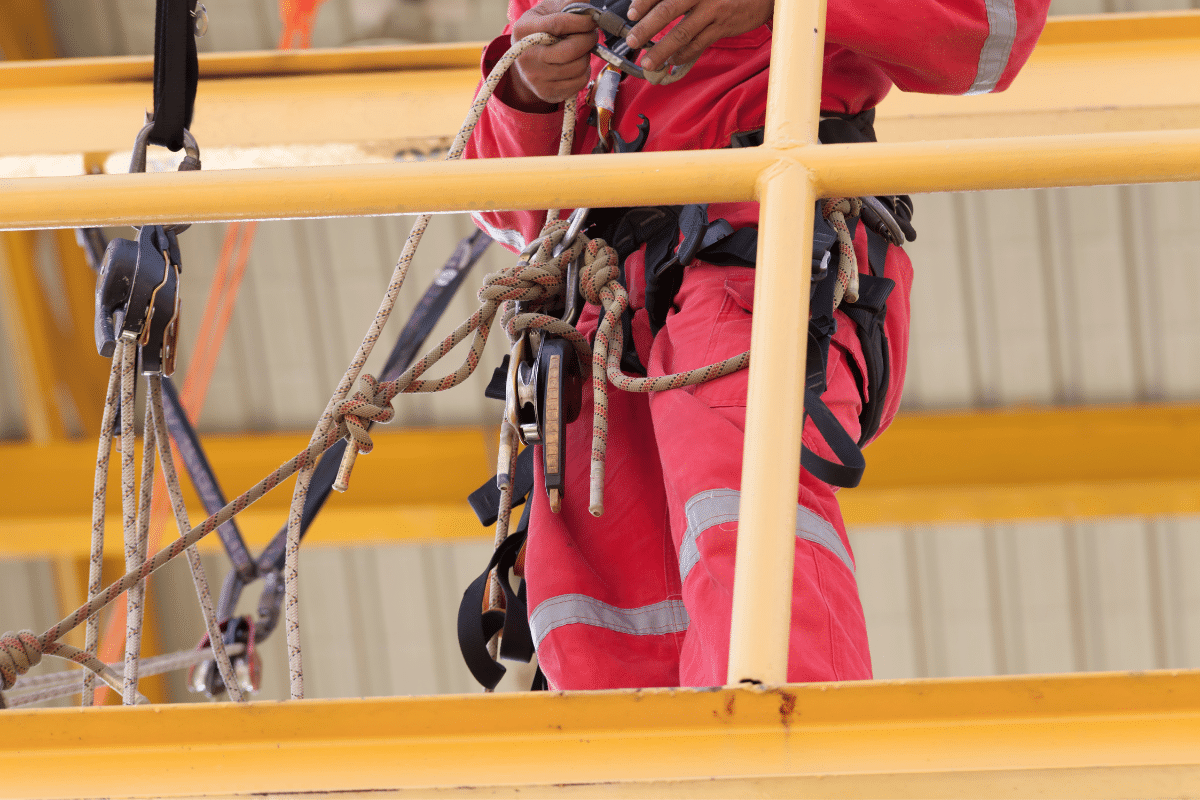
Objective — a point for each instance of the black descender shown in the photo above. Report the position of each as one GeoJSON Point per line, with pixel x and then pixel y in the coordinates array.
{"type": "Point", "coordinates": [137, 288]}
{"type": "Point", "coordinates": [544, 386]}
{"type": "Point", "coordinates": [137, 297]}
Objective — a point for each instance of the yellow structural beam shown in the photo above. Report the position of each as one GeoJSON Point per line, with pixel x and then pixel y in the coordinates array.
{"type": "Point", "coordinates": [341, 106]}
{"type": "Point", "coordinates": [596, 180]}
{"type": "Point", "coordinates": [993, 465]}
{"type": "Point", "coordinates": [1093, 736]}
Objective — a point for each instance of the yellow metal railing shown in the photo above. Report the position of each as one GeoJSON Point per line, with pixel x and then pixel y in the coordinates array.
{"type": "Point", "coordinates": [787, 174]}
{"type": "Point", "coordinates": [996, 737]}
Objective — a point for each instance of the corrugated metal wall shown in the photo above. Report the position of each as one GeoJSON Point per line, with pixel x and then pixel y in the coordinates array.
{"type": "Point", "coordinates": [1045, 297]}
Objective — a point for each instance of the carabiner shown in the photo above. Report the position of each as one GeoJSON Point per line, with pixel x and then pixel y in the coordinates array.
{"type": "Point", "coordinates": [619, 27]}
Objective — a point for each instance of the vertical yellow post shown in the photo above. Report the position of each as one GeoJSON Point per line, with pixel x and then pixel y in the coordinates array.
{"type": "Point", "coordinates": [758, 646]}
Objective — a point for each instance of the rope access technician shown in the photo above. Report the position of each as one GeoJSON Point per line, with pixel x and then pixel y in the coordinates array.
{"type": "Point", "coordinates": [642, 595]}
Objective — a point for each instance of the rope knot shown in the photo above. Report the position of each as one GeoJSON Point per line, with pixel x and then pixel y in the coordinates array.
{"type": "Point", "coordinates": [601, 267]}
{"type": "Point", "coordinates": [19, 652]}
{"type": "Point", "coordinates": [371, 402]}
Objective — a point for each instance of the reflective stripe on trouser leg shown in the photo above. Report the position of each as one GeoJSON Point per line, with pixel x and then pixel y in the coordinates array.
{"type": "Point", "coordinates": [669, 616]}
{"type": "Point", "coordinates": [720, 506]}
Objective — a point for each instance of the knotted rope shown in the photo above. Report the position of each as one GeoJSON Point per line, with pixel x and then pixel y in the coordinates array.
{"type": "Point", "coordinates": [23, 650]}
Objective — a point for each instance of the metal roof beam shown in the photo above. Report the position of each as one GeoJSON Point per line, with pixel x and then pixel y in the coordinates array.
{"type": "Point", "coordinates": [1097, 736]}
{"type": "Point", "coordinates": [355, 106]}
{"type": "Point", "coordinates": [986, 465]}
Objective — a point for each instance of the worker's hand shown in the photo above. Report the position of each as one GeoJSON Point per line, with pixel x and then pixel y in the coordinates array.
{"type": "Point", "coordinates": [546, 75]}
{"type": "Point", "coordinates": [704, 22]}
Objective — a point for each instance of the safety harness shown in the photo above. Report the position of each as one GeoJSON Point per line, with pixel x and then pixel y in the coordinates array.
{"type": "Point", "coordinates": [674, 237]}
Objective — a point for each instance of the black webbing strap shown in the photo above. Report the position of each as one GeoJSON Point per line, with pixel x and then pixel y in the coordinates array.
{"type": "Point", "coordinates": [868, 314]}
{"type": "Point", "coordinates": [204, 480]}
{"type": "Point", "coordinates": [176, 72]}
{"type": "Point", "coordinates": [485, 501]}
{"type": "Point", "coordinates": [476, 628]}
{"type": "Point", "coordinates": [850, 471]}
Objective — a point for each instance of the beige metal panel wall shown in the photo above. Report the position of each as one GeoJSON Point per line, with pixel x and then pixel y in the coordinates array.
{"type": "Point", "coordinates": [1055, 297]}
{"type": "Point", "coordinates": [1031, 598]}
{"type": "Point", "coordinates": [311, 290]}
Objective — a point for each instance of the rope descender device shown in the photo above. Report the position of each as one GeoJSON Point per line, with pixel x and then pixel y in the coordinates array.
{"type": "Point", "coordinates": [137, 288]}
{"type": "Point", "coordinates": [544, 389]}
{"type": "Point", "coordinates": [613, 48]}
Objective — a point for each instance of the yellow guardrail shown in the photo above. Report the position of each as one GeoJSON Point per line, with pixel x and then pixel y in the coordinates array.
{"type": "Point", "coordinates": [786, 175]}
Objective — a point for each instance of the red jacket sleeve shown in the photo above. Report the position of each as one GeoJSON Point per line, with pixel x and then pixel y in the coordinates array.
{"type": "Point", "coordinates": [505, 132]}
{"type": "Point", "coordinates": [940, 46]}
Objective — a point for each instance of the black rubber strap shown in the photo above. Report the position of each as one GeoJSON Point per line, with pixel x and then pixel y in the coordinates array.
{"type": "Point", "coordinates": [176, 72]}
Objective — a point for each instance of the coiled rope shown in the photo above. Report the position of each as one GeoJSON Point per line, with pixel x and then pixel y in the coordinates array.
{"type": "Point", "coordinates": [537, 282]}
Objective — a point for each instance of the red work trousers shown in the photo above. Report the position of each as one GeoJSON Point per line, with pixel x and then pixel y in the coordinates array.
{"type": "Point", "coordinates": [642, 596]}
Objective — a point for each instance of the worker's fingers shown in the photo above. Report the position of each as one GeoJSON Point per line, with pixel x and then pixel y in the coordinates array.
{"type": "Point", "coordinates": [548, 17]}
{"type": "Point", "coordinates": [565, 51]}
{"type": "Point", "coordinates": [554, 83]}
{"type": "Point", "coordinates": [692, 34]}
{"type": "Point", "coordinates": [703, 22]}
{"type": "Point", "coordinates": [653, 16]}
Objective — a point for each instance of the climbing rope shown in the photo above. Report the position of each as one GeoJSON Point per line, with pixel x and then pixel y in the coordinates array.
{"type": "Point", "coordinates": [40, 688]}
{"type": "Point", "coordinates": [537, 282]}
{"type": "Point", "coordinates": [836, 210]}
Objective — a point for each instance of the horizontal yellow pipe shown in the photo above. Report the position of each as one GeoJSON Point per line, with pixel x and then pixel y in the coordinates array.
{"type": "Point", "coordinates": [1098, 736]}
{"type": "Point", "coordinates": [1035, 162]}
{"type": "Point", "coordinates": [595, 180]}
{"type": "Point", "coordinates": [961, 467]}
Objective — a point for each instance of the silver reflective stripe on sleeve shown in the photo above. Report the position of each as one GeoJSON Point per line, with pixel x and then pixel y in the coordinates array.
{"type": "Point", "coordinates": [1002, 33]}
{"type": "Point", "coordinates": [720, 506]}
{"type": "Point", "coordinates": [505, 236]}
{"type": "Point", "coordinates": [669, 616]}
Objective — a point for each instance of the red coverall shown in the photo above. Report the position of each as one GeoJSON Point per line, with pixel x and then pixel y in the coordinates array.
{"type": "Point", "coordinates": [642, 595]}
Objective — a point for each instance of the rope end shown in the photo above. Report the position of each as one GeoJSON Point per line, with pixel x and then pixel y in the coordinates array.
{"type": "Point", "coordinates": [343, 477]}
{"type": "Point", "coordinates": [596, 504]}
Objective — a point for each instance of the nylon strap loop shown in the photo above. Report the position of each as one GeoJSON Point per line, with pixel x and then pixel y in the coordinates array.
{"type": "Point", "coordinates": [176, 72]}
